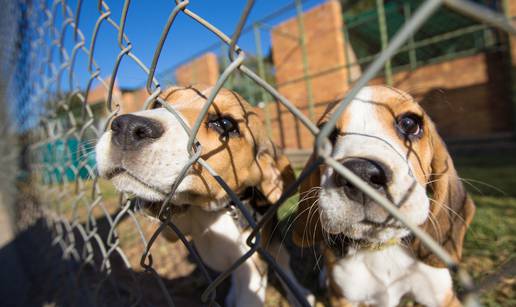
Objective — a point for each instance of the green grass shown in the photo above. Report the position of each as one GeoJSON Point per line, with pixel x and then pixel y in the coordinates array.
{"type": "Point", "coordinates": [490, 245]}
{"type": "Point", "coordinates": [493, 175]}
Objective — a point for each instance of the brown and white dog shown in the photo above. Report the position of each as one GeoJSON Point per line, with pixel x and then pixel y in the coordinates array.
{"type": "Point", "coordinates": [386, 139]}
{"type": "Point", "coordinates": [144, 152]}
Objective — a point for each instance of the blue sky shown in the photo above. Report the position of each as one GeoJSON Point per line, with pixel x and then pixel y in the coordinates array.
{"type": "Point", "coordinates": [145, 22]}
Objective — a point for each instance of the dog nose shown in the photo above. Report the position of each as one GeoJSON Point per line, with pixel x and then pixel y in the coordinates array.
{"type": "Point", "coordinates": [372, 172]}
{"type": "Point", "coordinates": [131, 131]}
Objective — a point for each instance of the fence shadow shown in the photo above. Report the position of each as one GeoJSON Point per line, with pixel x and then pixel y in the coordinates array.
{"type": "Point", "coordinates": [37, 270]}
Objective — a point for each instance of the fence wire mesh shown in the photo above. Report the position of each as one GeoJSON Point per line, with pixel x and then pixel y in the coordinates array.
{"type": "Point", "coordinates": [60, 130]}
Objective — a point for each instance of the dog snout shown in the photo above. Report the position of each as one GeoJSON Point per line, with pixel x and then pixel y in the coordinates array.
{"type": "Point", "coordinates": [372, 172]}
{"type": "Point", "coordinates": [131, 131]}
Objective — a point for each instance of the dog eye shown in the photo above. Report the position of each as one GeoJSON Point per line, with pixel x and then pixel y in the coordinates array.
{"type": "Point", "coordinates": [409, 125]}
{"type": "Point", "coordinates": [225, 126]}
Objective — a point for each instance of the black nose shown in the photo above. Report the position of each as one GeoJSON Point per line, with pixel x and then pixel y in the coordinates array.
{"type": "Point", "coordinates": [372, 172]}
{"type": "Point", "coordinates": [131, 131]}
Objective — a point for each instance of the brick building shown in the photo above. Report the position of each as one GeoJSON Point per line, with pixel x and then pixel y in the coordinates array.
{"type": "Point", "coordinates": [460, 72]}
{"type": "Point", "coordinates": [202, 70]}
{"type": "Point", "coordinates": [457, 69]}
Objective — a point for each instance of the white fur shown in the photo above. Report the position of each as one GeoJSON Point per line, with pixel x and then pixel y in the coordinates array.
{"type": "Point", "coordinates": [150, 173]}
{"type": "Point", "coordinates": [366, 138]}
{"type": "Point", "coordinates": [382, 277]}
{"type": "Point", "coordinates": [152, 169]}
{"type": "Point", "coordinates": [378, 277]}
{"type": "Point", "coordinates": [223, 243]}
{"type": "Point", "coordinates": [220, 243]}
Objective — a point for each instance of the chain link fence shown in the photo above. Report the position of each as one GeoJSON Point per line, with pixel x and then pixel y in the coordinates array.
{"type": "Point", "coordinates": [300, 63]}
{"type": "Point", "coordinates": [107, 252]}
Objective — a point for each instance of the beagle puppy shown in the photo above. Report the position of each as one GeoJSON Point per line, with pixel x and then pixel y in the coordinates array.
{"type": "Point", "coordinates": [386, 139]}
{"type": "Point", "coordinates": [144, 152]}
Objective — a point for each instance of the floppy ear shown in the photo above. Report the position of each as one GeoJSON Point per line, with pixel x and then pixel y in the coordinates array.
{"type": "Point", "coordinates": [276, 174]}
{"type": "Point", "coordinates": [307, 230]}
{"type": "Point", "coordinates": [451, 210]}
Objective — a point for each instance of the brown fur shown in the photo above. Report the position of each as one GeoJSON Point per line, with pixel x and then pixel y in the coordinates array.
{"type": "Point", "coordinates": [452, 210]}
{"type": "Point", "coordinates": [306, 224]}
{"type": "Point", "coordinates": [248, 160]}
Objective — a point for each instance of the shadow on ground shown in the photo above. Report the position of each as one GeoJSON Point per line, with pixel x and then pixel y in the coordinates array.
{"type": "Point", "coordinates": [35, 273]}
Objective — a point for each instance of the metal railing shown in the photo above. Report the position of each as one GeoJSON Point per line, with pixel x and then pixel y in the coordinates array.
{"type": "Point", "coordinates": [74, 209]}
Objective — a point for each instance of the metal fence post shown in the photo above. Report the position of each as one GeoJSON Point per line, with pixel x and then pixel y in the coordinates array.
{"type": "Point", "coordinates": [347, 45]}
{"type": "Point", "coordinates": [304, 55]}
{"type": "Point", "coordinates": [412, 50]}
{"type": "Point", "coordinates": [261, 72]}
{"type": "Point", "coordinates": [224, 50]}
{"type": "Point", "coordinates": [384, 35]}
{"type": "Point", "coordinates": [512, 62]}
